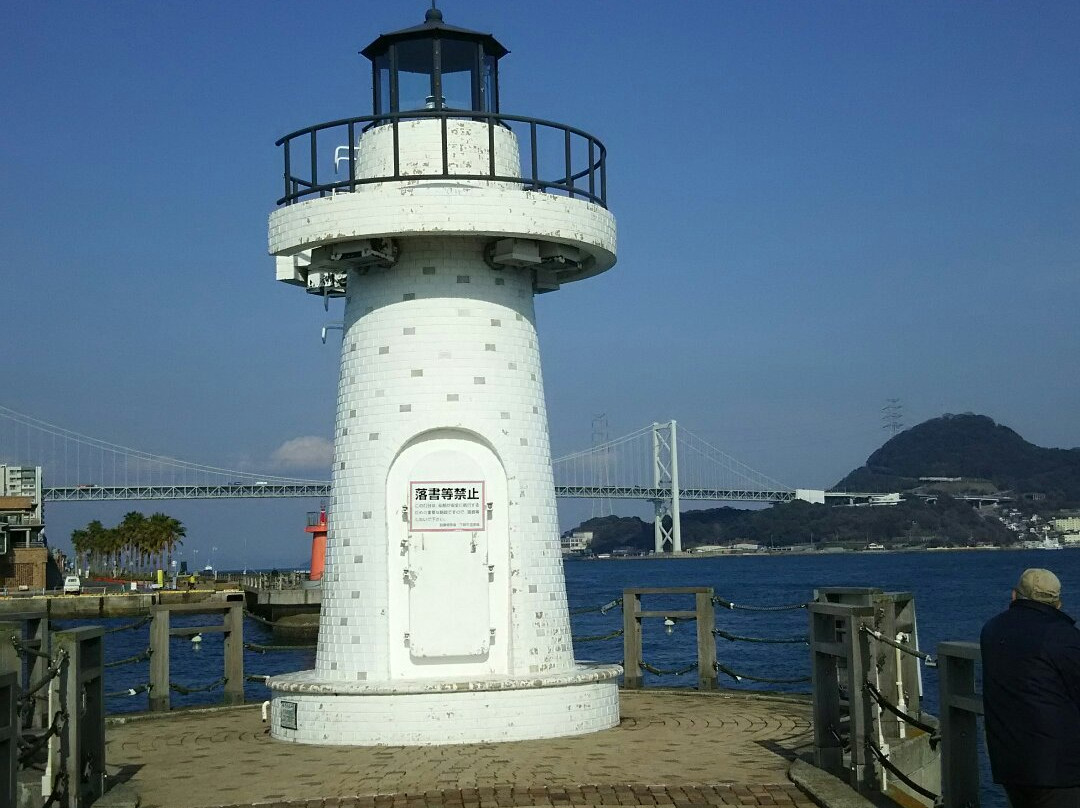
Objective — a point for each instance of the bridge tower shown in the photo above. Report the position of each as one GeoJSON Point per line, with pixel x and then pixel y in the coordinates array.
{"type": "Point", "coordinates": [666, 475]}
{"type": "Point", "coordinates": [444, 615]}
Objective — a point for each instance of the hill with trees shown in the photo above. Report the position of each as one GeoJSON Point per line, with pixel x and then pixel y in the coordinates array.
{"type": "Point", "coordinates": [975, 448]}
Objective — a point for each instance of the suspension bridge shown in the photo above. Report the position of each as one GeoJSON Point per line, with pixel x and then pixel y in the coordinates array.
{"type": "Point", "coordinates": [660, 463]}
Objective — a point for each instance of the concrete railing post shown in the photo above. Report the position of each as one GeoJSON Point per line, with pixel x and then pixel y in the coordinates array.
{"type": "Point", "coordinates": [631, 608]}
{"type": "Point", "coordinates": [959, 708]}
{"type": "Point", "coordinates": [9, 735]}
{"type": "Point", "coordinates": [234, 654]}
{"type": "Point", "coordinates": [838, 650]}
{"type": "Point", "coordinates": [159, 658]}
{"type": "Point", "coordinates": [82, 700]}
{"type": "Point", "coordinates": [706, 641]}
{"type": "Point", "coordinates": [37, 635]}
{"type": "Point", "coordinates": [9, 654]}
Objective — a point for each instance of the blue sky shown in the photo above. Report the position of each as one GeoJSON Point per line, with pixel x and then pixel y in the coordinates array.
{"type": "Point", "coordinates": [821, 206]}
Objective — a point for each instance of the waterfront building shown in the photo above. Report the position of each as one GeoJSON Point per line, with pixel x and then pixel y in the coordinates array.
{"type": "Point", "coordinates": [24, 558]}
{"type": "Point", "coordinates": [444, 616]}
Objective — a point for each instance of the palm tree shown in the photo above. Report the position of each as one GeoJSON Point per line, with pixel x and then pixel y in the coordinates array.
{"type": "Point", "coordinates": [133, 534]}
{"type": "Point", "coordinates": [167, 532]}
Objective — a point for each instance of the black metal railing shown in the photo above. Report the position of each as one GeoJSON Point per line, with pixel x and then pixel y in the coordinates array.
{"type": "Point", "coordinates": [555, 158]}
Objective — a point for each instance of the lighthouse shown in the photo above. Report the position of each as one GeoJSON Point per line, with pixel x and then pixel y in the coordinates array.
{"type": "Point", "coordinates": [439, 218]}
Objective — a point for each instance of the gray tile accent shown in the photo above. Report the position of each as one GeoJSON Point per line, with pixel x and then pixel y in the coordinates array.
{"type": "Point", "coordinates": [405, 408]}
{"type": "Point", "coordinates": [451, 396]}
{"type": "Point", "coordinates": [416, 372]}
{"type": "Point", "coordinates": [479, 380]}
{"type": "Point", "coordinates": [384, 349]}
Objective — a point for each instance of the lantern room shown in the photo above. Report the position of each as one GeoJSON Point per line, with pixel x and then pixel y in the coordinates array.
{"type": "Point", "coordinates": [435, 66]}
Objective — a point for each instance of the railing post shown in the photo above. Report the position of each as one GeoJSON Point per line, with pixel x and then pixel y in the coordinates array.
{"type": "Point", "coordinates": [837, 644]}
{"type": "Point", "coordinates": [824, 650]}
{"type": "Point", "coordinates": [159, 658]}
{"type": "Point", "coordinates": [234, 654]}
{"type": "Point", "coordinates": [36, 633]}
{"type": "Point", "coordinates": [9, 735]}
{"type": "Point", "coordinates": [632, 679]}
{"type": "Point", "coordinates": [82, 699]}
{"type": "Point", "coordinates": [959, 709]}
{"type": "Point", "coordinates": [860, 716]}
{"type": "Point", "coordinates": [9, 654]}
{"type": "Point", "coordinates": [706, 642]}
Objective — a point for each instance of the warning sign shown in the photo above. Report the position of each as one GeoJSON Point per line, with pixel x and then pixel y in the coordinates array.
{"type": "Point", "coordinates": [442, 505]}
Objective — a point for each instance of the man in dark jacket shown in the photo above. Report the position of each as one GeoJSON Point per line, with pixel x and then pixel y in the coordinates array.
{"type": "Point", "coordinates": [1031, 695]}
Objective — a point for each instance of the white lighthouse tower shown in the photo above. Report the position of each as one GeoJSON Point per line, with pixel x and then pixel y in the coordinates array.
{"type": "Point", "coordinates": [444, 615]}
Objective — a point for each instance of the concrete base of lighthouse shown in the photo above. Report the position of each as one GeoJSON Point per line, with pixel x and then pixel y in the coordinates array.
{"type": "Point", "coordinates": [451, 710]}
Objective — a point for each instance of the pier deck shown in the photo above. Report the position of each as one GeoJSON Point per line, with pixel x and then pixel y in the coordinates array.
{"type": "Point", "coordinates": [671, 748]}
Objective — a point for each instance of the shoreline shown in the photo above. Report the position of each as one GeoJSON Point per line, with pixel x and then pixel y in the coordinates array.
{"type": "Point", "coordinates": [800, 552]}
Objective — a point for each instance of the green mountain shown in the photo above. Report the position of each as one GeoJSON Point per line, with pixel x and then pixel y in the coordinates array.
{"type": "Point", "coordinates": [977, 449]}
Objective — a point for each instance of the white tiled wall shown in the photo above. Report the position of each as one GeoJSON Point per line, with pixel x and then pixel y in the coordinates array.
{"type": "Point", "coordinates": [448, 718]}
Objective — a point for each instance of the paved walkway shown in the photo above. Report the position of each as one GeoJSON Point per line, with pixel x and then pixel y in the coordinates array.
{"type": "Point", "coordinates": [681, 748]}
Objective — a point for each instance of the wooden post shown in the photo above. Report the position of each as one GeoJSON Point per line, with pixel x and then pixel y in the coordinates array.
{"type": "Point", "coordinates": [234, 654]}
{"type": "Point", "coordinates": [82, 698]}
{"type": "Point", "coordinates": [631, 608]}
{"type": "Point", "coordinates": [159, 658]}
{"type": "Point", "coordinates": [706, 641]}
{"type": "Point", "coordinates": [959, 708]}
{"type": "Point", "coordinates": [9, 735]}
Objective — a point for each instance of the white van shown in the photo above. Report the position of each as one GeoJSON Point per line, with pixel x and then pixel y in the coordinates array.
{"type": "Point", "coordinates": [72, 585]}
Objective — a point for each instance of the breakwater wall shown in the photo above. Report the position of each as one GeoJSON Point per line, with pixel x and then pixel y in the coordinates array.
{"type": "Point", "coordinates": [109, 604]}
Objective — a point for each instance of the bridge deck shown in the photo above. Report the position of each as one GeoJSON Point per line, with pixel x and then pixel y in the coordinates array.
{"type": "Point", "coordinates": [84, 493]}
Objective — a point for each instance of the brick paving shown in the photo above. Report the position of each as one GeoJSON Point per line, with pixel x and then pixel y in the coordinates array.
{"type": "Point", "coordinates": [671, 748]}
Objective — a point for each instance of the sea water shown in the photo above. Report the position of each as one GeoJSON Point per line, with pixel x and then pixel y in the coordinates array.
{"type": "Point", "coordinates": [955, 593]}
